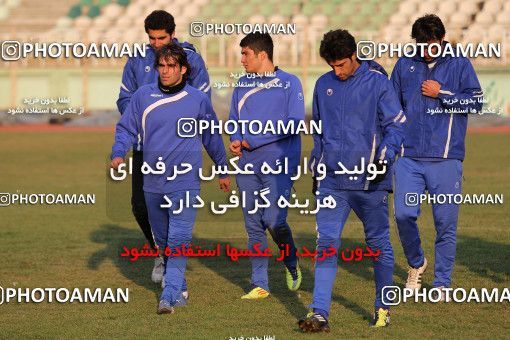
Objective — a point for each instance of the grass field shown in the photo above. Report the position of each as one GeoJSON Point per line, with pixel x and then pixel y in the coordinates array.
{"type": "Point", "coordinates": [80, 246]}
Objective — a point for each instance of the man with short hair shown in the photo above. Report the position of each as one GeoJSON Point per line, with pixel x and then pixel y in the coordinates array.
{"type": "Point", "coordinates": [153, 115]}
{"type": "Point", "coordinates": [267, 95]}
{"type": "Point", "coordinates": [139, 71]}
{"type": "Point", "coordinates": [437, 94]}
{"type": "Point", "coordinates": [361, 126]}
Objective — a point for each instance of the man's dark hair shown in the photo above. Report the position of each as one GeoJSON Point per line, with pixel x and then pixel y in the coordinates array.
{"type": "Point", "coordinates": [336, 45]}
{"type": "Point", "coordinates": [176, 53]}
{"type": "Point", "coordinates": [427, 28]}
{"type": "Point", "coordinates": [160, 20]}
{"type": "Point", "coordinates": [259, 42]}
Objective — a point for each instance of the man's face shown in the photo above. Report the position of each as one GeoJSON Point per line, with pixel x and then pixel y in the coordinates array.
{"type": "Point", "coordinates": [344, 68]}
{"type": "Point", "coordinates": [159, 38]}
{"type": "Point", "coordinates": [250, 60]}
{"type": "Point", "coordinates": [433, 49]}
{"type": "Point", "coordinates": [170, 72]}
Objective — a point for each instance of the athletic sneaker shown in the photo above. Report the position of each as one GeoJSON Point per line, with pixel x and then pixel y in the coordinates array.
{"type": "Point", "coordinates": [293, 278]}
{"type": "Point", "coordinates": [256, 293]}
{"type": "Point", "coordinates": [165, 307]}
{"type": "Point", "coordinates": [381, 318]}
{"type": "Point", "coordinates": [414, 276]}
{"type": "Point", "coordinates": [158, 270]}
{"type": "Point", "coordinates": [314, 322]}
{"type": "Point", "coordinates": [441, 295]}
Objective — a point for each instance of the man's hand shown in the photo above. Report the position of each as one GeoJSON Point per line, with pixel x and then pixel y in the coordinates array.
{"type": "Point", "coordinates": [235, 148]}
{"type": "Point", "coordinates": [245, 145]}
{"type": "Point", "coordinates": [430, 88]}
{"type": "Point", "coordinates": [225, 184]}
{"type": "Point", "coordinates": [116, 162]}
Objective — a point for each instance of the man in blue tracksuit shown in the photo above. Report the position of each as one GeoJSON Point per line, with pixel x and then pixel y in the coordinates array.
{"type": "Point", "coordinates": [361, 118]}
{"type": "Point", "coordinates": [139, 71]}
{"type": "Point", "coordinates": [153, 115]}
{"type": "Point", "coordinates": [271, 96]}
{"type": "Point", "coordinates": [436, 94]}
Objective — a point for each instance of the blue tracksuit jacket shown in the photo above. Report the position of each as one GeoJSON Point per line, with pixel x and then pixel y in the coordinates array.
{"type": "Point", "coordinates": [152, 117]}
{"type": "Point", "coordinates": [263, 104]}
{"type": "Point", "coordinates": [438, 135]}
{"type": "Point", "coordinates": [361, 117]}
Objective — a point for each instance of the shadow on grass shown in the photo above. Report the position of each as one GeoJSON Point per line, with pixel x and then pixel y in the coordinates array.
{"type": "Point", "coordinates": [239, 273]}
{"type": "Point", "coordinates": [114, 238]}
{"type": "Point", "coordinates": [362, 269]}
{"type": "Point", "coordinates": [487, 259]}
